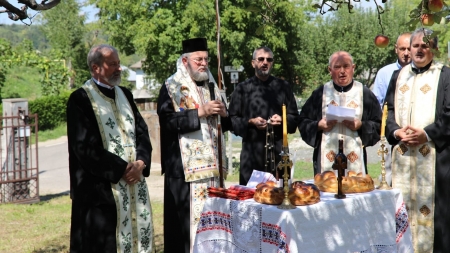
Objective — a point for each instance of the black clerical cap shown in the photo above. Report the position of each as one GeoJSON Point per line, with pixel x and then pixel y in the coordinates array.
{"type": "Point", "coordinates": [193, 45]}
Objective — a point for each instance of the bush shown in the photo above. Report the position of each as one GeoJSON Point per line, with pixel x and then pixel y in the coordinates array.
{"type": "Point", "coordinates": [51, 110]}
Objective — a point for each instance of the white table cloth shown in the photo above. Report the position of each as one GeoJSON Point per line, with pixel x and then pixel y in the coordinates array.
{"type": "Point", "coordinates": [367, 222]}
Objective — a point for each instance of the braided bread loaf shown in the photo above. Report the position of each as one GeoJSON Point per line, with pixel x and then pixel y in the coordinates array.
{"type": "Point", "coordinates": [300, 194]}
{"type": "Point", "coordinates": [352, 183]}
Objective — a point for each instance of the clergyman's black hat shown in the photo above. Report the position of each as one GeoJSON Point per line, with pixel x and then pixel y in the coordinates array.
{"type": "Point", "coordinates": [193, 45]}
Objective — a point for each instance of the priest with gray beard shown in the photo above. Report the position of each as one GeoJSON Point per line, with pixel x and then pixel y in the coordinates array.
{"type": "Point", "coordinates": [109, 158]}
{"type": "Point", "coordinates": [189, 146]}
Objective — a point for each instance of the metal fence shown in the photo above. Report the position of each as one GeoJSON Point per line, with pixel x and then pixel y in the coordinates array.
{"type": "Point", "coordinates": [19, 174]}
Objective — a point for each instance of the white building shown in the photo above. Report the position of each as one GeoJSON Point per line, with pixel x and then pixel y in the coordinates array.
{"type": "Point", "coordinates": [142, 80]}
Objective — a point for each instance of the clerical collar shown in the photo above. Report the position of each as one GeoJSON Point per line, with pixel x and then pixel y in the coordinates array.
{"type": "Point", "coordinates": [102, 84]}
{"type": "Point", "coordinates": [420, 70]}
{"type": "Point", "coordinates": [200, 83]}
{"type": "Point", "coordinates": [343, 89]}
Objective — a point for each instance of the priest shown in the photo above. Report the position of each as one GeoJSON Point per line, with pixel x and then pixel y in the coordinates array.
{"type": "Point", "coordinates": [323, 134]}
{"type": "Point", "coordinates": [189, 146]}
{"type": "Point", "coordinates": [253, 103]}
{"type": "Point", "coordinates": [418, 128]}
{"type": "Point", "coordinates": [109, 158]}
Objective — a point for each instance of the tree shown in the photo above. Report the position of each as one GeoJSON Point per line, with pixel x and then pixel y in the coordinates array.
{"type": "Point", "coordinates": [157, 28]}
{"type": "Point", "coordinates": [69, 42]}
{"type": "Point", "coordinates": [5, 52]}
{"type": "Point", "coordinates": [16, 14]}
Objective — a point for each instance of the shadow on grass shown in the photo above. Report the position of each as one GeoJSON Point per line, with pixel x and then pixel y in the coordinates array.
{"type": "Point", "coordinates": [52, 196]}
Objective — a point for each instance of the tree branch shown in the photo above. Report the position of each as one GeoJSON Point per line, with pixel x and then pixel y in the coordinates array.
{"type": "Point", "coordinates": [16, 14]}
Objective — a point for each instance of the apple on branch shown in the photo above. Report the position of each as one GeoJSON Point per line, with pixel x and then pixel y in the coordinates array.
{"type": "Point", "coordinates": [381, 41]}
{"type": "Point", "coordinates": [435, 5]}
{"type": "Point", "coordinates": [427, 19]}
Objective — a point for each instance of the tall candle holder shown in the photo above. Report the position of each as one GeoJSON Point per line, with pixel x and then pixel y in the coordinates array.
{"type": "Point", "coordinates": [284, 164]}
{"type": "Point", "coordinates": [382, 151]}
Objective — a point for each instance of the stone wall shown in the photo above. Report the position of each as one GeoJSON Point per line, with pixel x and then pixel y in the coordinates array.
{"type": "Point", "coordinates": [152, 120]}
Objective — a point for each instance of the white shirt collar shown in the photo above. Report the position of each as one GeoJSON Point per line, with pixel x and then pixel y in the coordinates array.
{"type": "Point", "coordinates": [102, 84]}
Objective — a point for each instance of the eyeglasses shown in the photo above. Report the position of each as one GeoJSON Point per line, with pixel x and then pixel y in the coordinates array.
{"type": "Point", "coordinates": [261, 59]}
{"type": "Point", "coordinates": [199, 60]}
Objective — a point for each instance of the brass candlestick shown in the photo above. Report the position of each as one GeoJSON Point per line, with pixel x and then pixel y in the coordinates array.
{"type": "Point", "coordinates": [283, 165]}
{"type": "Point", "coordinates": [382, 151]}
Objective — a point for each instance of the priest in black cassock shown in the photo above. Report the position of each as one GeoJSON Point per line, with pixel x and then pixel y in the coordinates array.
{"type": "Point", "coordinates": [109, 158]}
{"type": "Point", "coordinates": [253, 103]}
{"type": "Point", "coordinates": [418, 128]}
{"type": "Point", "coordinates": [189, 150]}
{"type": "Point", "coordinates": [358, 132]}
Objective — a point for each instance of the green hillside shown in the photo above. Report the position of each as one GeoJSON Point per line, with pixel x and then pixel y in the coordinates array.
{"type": "Point", "coordinates": [22, 82]}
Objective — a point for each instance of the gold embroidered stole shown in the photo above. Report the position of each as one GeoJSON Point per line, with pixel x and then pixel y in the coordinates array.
{"type": "Point", "coordinates": [413, 168]}
{"type": "Point", "coordinates": [199, 149]}
{"type": "Point", "coordinates": [352, 142]}
{"type": "Point", "coordinates": [134, 231]}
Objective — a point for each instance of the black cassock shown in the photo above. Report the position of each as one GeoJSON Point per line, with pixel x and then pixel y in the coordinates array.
{"type": "Point", "coordinates": [439, 132]}
{"type": "Point", "coordinates": [311, 114]}
{"type": "Point", "coordinates": [255, 98]}
{"type": "Point", "coordinates": [92, 170]}
{"type": "Point", "coordinates": [176, 189]}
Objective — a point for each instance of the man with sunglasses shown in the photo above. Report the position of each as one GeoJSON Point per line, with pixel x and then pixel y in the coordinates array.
{"type": "Point", "coordinates": [254, 104]}
{"type": "Point", "coordinates": [189, 150]}
{"type": "Point", "coordinates": [323, 134]}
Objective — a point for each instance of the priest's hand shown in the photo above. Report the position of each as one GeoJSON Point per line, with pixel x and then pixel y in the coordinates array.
{"type": "Point", "coordinates": [275, 120]}
{"type": "Point", "coordinates": [259, 122]}
{"type": "Point", "coordinates": [413, 136]}
{"type": "Point", "coordinates": [325, 125]}
{"type": "Point", "coordinates": [133, 172]}
{"type": "Point", "coordinates": [352, 124]}
{"type": "Point", "coordinates": [213, 107]}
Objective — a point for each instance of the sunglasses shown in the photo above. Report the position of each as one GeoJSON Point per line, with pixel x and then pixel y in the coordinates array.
{"type": "Point", "coordinates": [261, 59]}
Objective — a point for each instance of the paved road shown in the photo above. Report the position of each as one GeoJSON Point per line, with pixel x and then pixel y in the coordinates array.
{"type": "Point", "coordinates": [54, 170]}
{"type": "Point", "coordinates": [54, 167]}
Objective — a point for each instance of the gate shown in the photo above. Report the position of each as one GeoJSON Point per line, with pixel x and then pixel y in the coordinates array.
{"type": "Point", "coordinates": [19, 172]}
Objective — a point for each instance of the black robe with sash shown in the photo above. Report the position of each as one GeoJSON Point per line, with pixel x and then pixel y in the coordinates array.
{"type": "Point", "coordinates": [311, 114]}
{"type": "Point", "coordinates": [92, 170]}
{"type": "Point", "coordinates": [176, 189]}
{"type": "Point", "coordinates": [439, 132]}
{"type": "Point", "coordinates": [255, 98]}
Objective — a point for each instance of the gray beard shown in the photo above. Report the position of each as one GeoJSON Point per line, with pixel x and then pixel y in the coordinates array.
{"type": "Point", "coordinates": [263, 73]}
{"type": "Point", "coordinates": [200, 76]}
{"type": "Point", "coordinates": [115, 81]}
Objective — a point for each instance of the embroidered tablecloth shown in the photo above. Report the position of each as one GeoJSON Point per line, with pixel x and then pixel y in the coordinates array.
{"type": "Point", "coordinates": [367, 222]}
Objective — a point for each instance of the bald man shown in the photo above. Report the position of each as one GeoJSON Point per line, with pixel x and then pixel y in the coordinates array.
{"type": "Point", "coordinates": [323, 134]}
{"type": "Point", "coordinates": [402, 49]}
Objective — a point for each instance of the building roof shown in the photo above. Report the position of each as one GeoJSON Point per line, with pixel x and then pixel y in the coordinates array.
{"type": "Point", "coordinates": [137, 65]}
{"type": "Point", "coordinates": [142, 93]}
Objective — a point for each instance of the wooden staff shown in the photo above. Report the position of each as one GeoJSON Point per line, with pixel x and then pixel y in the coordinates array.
{"type": "Point", "coordinates": [219, 79]}
{"type": "Point", "coordinates": [219, 136]}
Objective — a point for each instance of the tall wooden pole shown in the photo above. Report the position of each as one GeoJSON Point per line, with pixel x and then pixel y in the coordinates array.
{"type": "Point", "coordinates": [219, 79]}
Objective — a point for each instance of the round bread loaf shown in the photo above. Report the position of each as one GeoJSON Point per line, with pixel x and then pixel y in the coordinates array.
{"type": "Point", "coordinates": [268, 193]}
{"type": "Point", "coordinates": [300, 194]}
{"type": "Point", "coordinates": [352, 183]}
